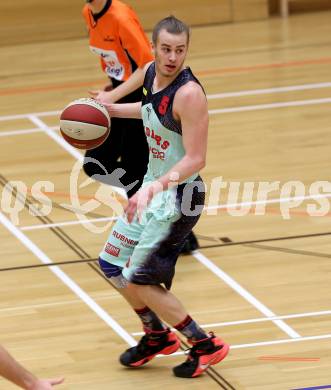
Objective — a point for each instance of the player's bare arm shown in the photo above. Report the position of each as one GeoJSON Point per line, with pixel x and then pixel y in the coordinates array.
{"type": "Point", "coordinates": [16, 373]}
{"type": "Point", "coordinates": [124, 110]}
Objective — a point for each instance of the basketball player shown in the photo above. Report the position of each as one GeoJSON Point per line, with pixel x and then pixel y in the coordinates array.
{"type": "Point", "coordinates": [116, 36]}
{"type": "Point", "coordinates": [14, 372]}
{"type": "Point", "coordinates": [141, 252]}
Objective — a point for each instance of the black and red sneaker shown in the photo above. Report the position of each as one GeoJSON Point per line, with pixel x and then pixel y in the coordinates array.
{"type": "Point", "coordinates": [150, 345]}
{"type": "Point", "coordinates": [203, 354]}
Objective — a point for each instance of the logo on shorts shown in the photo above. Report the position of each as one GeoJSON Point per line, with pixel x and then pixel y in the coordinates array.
{"type": "Point", "coordinates": [112, 250]}
{"type": "Point", "coordinates": [125, 241]}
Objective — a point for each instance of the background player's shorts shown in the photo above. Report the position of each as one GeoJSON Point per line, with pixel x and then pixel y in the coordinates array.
{"type": "Point", "coordinates": [148, 251]}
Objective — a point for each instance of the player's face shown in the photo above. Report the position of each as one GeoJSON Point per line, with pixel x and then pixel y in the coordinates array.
{"type": "Point", "coordinates": [170, 52]}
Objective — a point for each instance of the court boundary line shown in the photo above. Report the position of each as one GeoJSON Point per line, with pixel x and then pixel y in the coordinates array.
{"type": "Point", "coordinates": [21, 132]}
{"type": "Point", "coordinates": [268, 201]}
{"type": "Point", "coordinates": [234, 243]}
{"type": "Point", "coordinates": [67, 281]}
{"type": "Point", "coordinates": [217, 324]}
{"type": "Point", "coordinates": [67, 223]}
{"type": "Point", "coordinates": [206, 208]}
{"type": "Point", "coordinates": [57, 138]}
{"type": "Point", "coordinates": [268, 342]}
{"type": "Point", "coordinates": [200, 73]}
{"type": "Point", "coordinates": [244, 293]}
{"type": "Point", "coordinates": [226, 244]}
{"type": "Point", "coordinates": [256, 320]}
{"type": "Point", "coordinates": [288, 250]}
{"type": "Point", "coordinates": [53, 304]}
{"type": "Point", "coordinates": [24, 116]}
{"type": "Point", "coordinates": [320, 387]}
{"type": "Point", "coordinates": [261, 91]}
{"type": "Point", "coordinates": [264, 91]}
{"type": "Point", "coordinates": [256, 107]}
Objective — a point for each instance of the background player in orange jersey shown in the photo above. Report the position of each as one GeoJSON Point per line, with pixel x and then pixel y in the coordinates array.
{"type": "Point", "coordinates": [116, 36]}
{"type": "Point", "coordinates": [14, 372]}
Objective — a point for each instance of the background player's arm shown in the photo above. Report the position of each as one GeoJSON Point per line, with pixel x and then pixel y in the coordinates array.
{"type": "Point", "coordinates": [131, 84]}
{"type": "Point", "coordinates": [14, 372]}
{"type": "Point", "coordinates": [190, 107]}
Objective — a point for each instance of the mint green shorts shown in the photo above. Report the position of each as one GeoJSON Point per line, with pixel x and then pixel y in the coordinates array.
{"type": "Point", "coordinates": [147, 251]}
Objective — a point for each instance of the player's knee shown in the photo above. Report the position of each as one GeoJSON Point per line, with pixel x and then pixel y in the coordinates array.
{"type": "Point", "coordinates": [114, 273]}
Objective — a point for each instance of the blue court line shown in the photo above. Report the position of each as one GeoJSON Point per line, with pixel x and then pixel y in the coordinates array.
{"type": "Point", "coordinates": [314, 388]}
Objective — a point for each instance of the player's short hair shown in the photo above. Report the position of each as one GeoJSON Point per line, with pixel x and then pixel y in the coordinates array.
{"type": "Point", "coordinates": [172, 25]}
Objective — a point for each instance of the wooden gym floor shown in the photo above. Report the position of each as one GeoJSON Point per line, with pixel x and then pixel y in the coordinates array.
{"type": "Point", "coordinates": [261, 278]}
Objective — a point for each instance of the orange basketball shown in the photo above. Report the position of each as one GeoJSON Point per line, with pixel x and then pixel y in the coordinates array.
{"type": "Point", "coordinates": [85, 123]}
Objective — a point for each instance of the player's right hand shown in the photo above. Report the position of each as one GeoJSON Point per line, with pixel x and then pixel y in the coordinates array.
{"type": "Point", "coordinates": [101, 96]}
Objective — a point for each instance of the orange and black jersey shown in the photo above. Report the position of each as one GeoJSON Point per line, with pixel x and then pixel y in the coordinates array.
{"type": "Point", "coordinates": [118, 38]}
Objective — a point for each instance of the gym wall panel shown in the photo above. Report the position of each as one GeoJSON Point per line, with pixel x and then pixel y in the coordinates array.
{"type": "Point", "coordinates": [193, 12]}
{"type": "Point", "coordinates": [249, 10]}
{"type": "Point", "coordinates": [297, 6]}
{"type": "Point", "coordinates": [40, 20]}
{"type": "Point", "coordinates": [48, 20]}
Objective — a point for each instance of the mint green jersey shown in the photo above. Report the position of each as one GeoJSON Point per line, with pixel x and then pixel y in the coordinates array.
{"type": "Point", "coordinates": [163, 132]}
